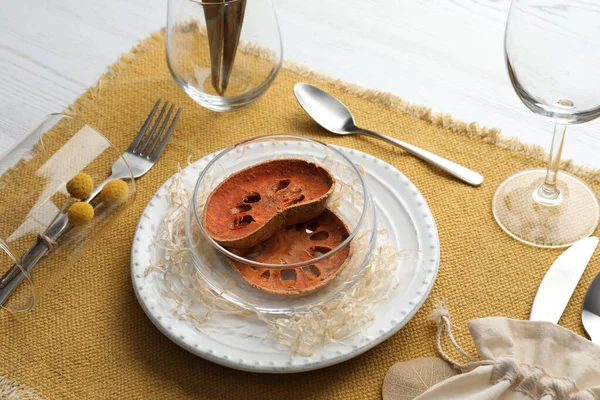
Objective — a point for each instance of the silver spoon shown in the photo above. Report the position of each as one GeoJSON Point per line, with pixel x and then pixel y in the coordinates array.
{"type": "Point", "coordinates": [590, 311]}
{"type": "Point", "coordinates": [334, 116]}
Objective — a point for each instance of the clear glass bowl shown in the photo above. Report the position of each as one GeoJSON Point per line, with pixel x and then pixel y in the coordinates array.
{"type": "Point", "coordinates": [350, 200]}
{"type": "Point", "coordinates": [34, 202]}
{"type": "Point", "coordinates": [223, 54]}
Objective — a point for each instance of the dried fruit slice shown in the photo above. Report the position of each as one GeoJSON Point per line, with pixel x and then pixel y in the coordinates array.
{"type": "Point", "coordinates": [295, 243]}
{"type": "Point", "coordinates": [252, 204]}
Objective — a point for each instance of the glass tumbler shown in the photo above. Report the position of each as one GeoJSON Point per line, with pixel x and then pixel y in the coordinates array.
{"type": "Point", "coordinates": [224, 54]}
{"type": "Point", "coordinates": [55, 202]}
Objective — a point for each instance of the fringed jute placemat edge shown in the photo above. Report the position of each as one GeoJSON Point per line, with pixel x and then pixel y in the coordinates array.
{"type": "Point", "coordinates": [10, 390]}
{"type": "Point", "coordinates": [491, 136]}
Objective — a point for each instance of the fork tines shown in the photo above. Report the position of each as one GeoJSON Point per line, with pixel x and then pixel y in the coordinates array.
{"type": "Point", "coordinates": [150, 143]}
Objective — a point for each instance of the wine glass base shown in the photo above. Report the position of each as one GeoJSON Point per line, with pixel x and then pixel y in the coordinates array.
{"type": "Point", "coordinates": [517, 209]}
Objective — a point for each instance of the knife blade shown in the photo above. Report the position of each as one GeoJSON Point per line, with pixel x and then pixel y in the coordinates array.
{"type": "Point", "coordinates": [560, 281]}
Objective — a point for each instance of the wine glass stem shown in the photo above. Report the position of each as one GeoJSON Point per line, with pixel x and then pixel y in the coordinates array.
{"type": "Point", "coordinates": [549, 191]}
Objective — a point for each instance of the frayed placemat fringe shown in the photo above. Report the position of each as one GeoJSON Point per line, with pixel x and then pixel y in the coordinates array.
{"type": "Point", "coordinates": [10, 390]}
{"type": "Point", "coordinates": [489, 135]}
{"type": "Point", "coordinates": [492, 136]}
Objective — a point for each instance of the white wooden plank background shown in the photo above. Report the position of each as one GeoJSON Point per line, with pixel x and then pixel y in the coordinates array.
{"type": "Point", "coordinates": [447, 54]}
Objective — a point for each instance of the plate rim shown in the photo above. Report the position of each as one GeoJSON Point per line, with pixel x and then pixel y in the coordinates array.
{"type": "Point", "coordinates": [231, 363]}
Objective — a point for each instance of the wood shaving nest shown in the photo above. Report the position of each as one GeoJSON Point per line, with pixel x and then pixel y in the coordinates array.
{"type": "Point", "coordinates": [301, 333]}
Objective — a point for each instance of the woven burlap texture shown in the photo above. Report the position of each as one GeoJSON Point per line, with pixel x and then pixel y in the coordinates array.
{"type": "Point", "coordinates": [89, 338]}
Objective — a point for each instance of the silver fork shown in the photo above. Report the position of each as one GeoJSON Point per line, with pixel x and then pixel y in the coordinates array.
{"type": "Point", "coordinates": [139, 157]}
{"type": "Point", "coordinates": [145, 149]}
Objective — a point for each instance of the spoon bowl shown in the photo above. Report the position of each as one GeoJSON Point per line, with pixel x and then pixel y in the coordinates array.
{"type": "Point", "coordinates": [335, 117]}
{"type": "Point", "coordinates": [325, 109]}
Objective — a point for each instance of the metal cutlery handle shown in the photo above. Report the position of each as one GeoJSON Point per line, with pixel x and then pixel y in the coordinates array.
{"type": "Point", "coordinates": [14, 276]}
{"type": "Point", "coordinates": [59, 225]}
{"type": "Point", "coordinates": [463, 173]}
{"type": "Point", "coordinates": [53, 232]}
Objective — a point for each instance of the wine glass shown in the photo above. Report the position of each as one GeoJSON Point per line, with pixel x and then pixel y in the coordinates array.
{"type": "Point", "coordinates": [223, 54]}
{"type": "Point", "coordinates": [552, 53]}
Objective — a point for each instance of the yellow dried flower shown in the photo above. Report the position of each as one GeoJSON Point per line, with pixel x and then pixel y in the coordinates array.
{"type": "Point", "coordinates": [115, 192]}
{"type": "Point", "coordinates": [80, 186]}
{"type": "Point", "coordinates": [80, 213]}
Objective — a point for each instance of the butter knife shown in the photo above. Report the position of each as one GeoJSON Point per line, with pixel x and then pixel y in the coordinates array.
{"type": "Point", "coordinates": [560, 281]}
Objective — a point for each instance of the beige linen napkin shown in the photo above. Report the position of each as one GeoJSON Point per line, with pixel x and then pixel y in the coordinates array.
{"type": "Point", "coordinates": [519, 360]}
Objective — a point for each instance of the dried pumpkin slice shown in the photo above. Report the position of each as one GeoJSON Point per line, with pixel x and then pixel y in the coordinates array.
{"type": "Point", "coordinates": [252, 204]}
{"type": "Point", "coordinates": [295, 243]}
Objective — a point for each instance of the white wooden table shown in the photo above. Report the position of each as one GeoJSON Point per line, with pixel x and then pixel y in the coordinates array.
{"type": "Point", "coordinates": [447, 54]}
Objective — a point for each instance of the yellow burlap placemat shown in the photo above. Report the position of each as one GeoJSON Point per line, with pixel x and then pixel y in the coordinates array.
{"type": "Point", "coordinates": [90, 339]}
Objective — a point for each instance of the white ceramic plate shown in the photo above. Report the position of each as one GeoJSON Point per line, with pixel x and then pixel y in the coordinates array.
{"type": "Point", "coordinates": [410, 225]}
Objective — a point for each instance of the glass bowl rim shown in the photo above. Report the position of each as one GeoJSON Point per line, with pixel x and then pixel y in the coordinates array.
{"type": "Point", "coordinates": [246, 261]}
